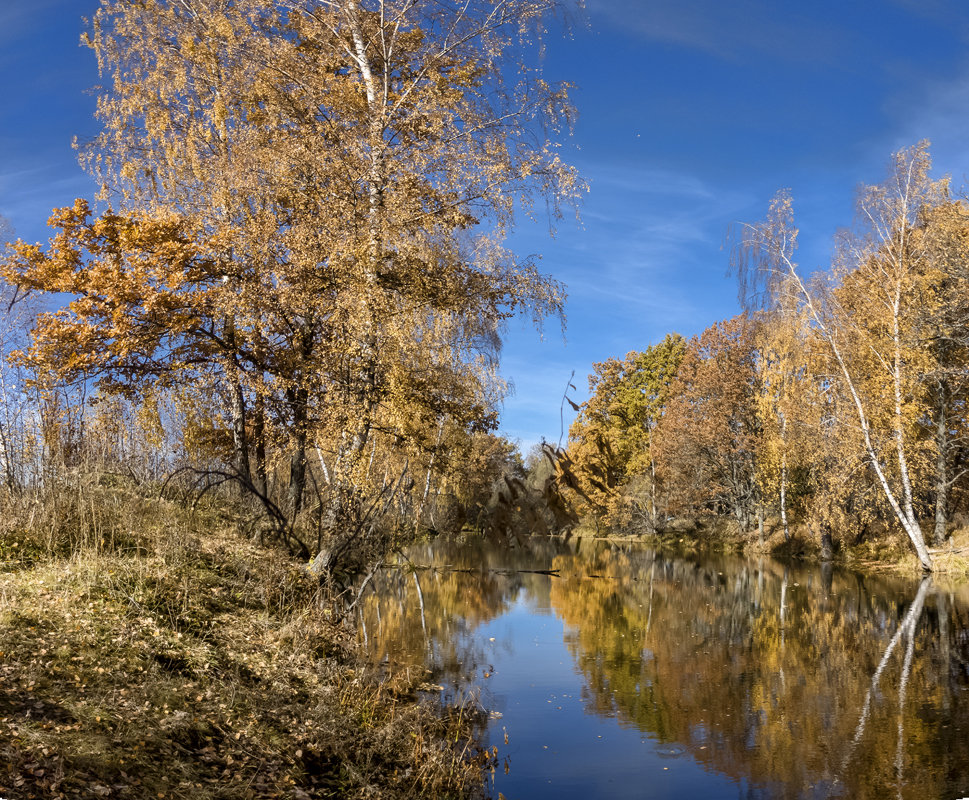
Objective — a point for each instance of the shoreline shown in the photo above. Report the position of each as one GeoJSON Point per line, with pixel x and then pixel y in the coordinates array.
{"type": "Point", "coordinates": [153, 651]}
{"type": "Point", "coordinates": [889, 554]}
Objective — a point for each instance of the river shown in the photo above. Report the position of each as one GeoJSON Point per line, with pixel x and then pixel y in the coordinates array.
{"type": "Point", "coordinates": [612, 670]}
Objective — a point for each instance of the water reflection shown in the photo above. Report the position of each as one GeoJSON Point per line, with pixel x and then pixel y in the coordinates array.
{"type": "Point", "coordinates": [635, 673]}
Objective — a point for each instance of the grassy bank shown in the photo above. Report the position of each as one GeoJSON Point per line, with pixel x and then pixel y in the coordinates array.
{"type": "Point", "coordinates": [152, 652]}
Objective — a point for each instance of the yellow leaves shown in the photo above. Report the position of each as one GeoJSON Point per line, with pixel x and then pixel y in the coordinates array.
{"type": "Point", "coordinates": [129, 171]}
{"type": "Point", "coordinates": [219, 115]}
{"type": "Point", "coordinates": [323, 254]}
{"type": "Point", "coordinates": [221, 26]}
{"type": "Point", "coordinates": [127, 275]}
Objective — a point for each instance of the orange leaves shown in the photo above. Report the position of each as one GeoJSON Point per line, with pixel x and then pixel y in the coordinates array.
{"type": "Point", "coordinates": [709, 436]}
{"type": "Point", "coordinates": [131, 295]}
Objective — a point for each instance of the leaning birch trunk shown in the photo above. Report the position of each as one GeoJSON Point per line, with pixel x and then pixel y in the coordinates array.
{"type": "Point", "coordinates": [905, 515]}
{"type": "Point", "coordinates": [774, 243]}
{"type": "Point", "coordinates": [899, 432]}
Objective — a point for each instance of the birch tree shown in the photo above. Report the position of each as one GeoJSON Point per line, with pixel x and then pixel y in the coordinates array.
{"type": "Point", "coordinates": [353, 167]}
{"type": "Point", "coordinates": [863, 313]}
{"type": "Point", "coordinates": [787, 406]}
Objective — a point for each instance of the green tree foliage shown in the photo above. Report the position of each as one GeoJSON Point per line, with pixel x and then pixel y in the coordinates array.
{"type": "Point", "coordinates": [611, 441]}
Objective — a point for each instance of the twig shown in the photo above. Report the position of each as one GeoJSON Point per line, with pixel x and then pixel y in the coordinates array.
{"type": "Point", "coordinates": [565, 395]}
{"type": "Point", "coordinates": [471, 570]}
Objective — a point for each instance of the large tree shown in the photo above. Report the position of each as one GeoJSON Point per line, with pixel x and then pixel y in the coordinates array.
{"type": "Point", "coordinates": [611, 440]}
{"type": "Point", "coordinates": [351, 168]}
{"type": "Point", "coordinates": [788, 405]}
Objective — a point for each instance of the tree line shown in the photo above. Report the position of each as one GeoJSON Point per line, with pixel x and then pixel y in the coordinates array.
{"type": "Point", "coordinates": [836, 400]}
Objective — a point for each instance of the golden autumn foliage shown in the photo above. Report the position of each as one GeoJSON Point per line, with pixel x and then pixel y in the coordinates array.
{"type": "Point", "coordinates": [834, 406]}
{"type": "Point", "coordinates": [145, 297]}
{"type": "Point", "coordinates": [710, 433]}
{"type": "Point", "coordinates": [611, 441]}
{"type": "Point", "coordinates": [844, 404]}
{"type": "Point", "coordinates": [308, 205]}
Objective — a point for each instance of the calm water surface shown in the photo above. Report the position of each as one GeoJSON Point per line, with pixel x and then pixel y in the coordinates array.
{"type": "Point", "coordinates": [635, 674]}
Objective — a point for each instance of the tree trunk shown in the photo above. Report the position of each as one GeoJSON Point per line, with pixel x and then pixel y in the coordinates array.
{"type": "Point", "coordinates": [427, 477]}
{"type": "Point", "coordinates": [5, 449]}
{"type": "Point", "coordinates": [259, 435]}
{"type": "Point", "coordinates": [904, 515]}
{"type": "Point", "coordinates": [297, 457]}
{"type": "Point", "coordinates": [787, 532]}
{"type": "Point", "coordinates": [240, 443]}
{"type": "Point", "coordinates": [7, 465]}
{"type": "Point", "coordinates": [941, 469]}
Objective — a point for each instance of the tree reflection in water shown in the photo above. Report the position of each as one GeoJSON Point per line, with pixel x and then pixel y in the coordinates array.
{"type": "Point", "coordinates": [795, 681]}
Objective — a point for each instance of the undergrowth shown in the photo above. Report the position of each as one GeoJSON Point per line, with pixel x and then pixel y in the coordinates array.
{"type": "Point", "coordinates": [146, 651]}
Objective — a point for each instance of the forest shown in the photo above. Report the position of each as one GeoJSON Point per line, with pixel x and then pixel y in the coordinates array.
{"type": "Point", "coordinates": [835, 403]}
{"type": "Point", "coordinates": [292, 288]}
{"type": "Point", "coordinates": [256, 363]}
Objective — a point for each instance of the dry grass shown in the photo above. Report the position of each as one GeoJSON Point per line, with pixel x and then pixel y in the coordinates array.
{"type": "Point", "coordinates": [151, 653]}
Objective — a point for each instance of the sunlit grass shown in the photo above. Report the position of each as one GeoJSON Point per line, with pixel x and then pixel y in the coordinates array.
{"type": "Point", "coordinates": [151, 652]}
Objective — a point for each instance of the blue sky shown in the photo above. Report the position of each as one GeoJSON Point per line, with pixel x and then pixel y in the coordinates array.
{"type": "Point", "coordinates": [692, 113]}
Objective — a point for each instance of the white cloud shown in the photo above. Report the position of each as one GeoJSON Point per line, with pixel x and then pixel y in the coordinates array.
{"type": "Point", "coordinates": [647, 261]}
{"type": "Point", "coordinates": [649, 180]}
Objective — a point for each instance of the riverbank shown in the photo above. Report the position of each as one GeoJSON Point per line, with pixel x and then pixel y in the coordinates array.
{"type": "Point", "coordinates": [889, 551]}
{"type": "Point", "coordinates": [151, 651]}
